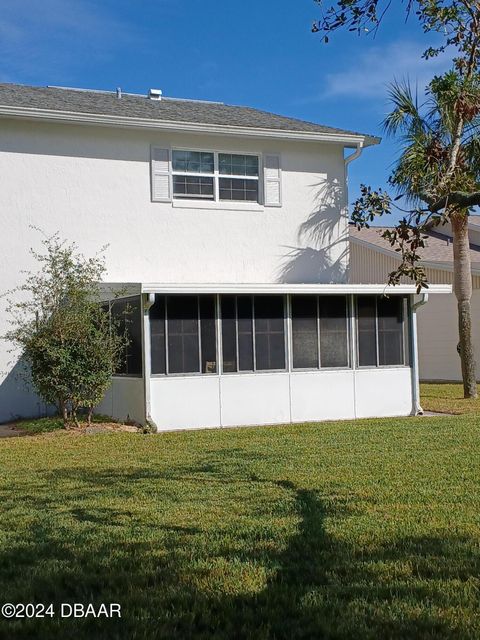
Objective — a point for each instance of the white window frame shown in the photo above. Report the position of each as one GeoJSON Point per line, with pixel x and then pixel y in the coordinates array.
{"type": "Point", "coordinates": [216, 175]}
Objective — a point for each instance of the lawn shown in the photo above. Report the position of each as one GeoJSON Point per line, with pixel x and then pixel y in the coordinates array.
{"type": "Point", "coordinates": [447, 398]}
{"type": "Point", "coordinates": [356, 530]}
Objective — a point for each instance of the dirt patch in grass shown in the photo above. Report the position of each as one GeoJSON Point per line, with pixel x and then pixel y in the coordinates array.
{"type": "Point", "coordinates": [100, 424]}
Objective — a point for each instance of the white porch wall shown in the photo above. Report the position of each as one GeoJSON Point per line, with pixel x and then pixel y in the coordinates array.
{"type": "Point", "coordinates": [275, 398]}
{"type": "Point", "coordinates": [329, 394]}
{"type": "Point", "coordinates": [383, 392]}
{"type": "Point", "coordinates": [124, 399]}
{"type": "Point", "coordinates": [92, 185]}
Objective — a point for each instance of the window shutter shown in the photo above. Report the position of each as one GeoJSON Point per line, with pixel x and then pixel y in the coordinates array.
{"type": "Point", "coordinates": [272, 181]}
{"type": "Point", "coordinates": [161, 170]}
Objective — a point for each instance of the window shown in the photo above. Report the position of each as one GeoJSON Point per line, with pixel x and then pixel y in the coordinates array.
{"type": "Point", "coordinates": [319, 332]}
{"type": "Point", "coordinates": [127, 316]}
{"type": "Point", "coordinates": [253, 333]}
{"type": "Point", "coordinates": [205, 175]}
{"type": "Point", "coordinates": [380, 325]}
{"type": "Point", "coordinates": [183, 334]}
{"type": "Point", "coordinates": [191, 177]}
{"type": "Point", "coordinates": [235, 188]}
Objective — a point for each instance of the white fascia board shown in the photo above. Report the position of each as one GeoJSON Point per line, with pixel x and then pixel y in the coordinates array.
{"type": "Point", "coordinates": [326, 289]}
{"type": "Point", "coordinates": [125, 122]}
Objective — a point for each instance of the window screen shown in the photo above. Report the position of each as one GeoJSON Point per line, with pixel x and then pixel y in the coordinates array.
{"type": "Point", "coordinates": [183, 334]}
{"type": "Point", "coordinates": [305, 332]}
{"type": "Point", "coordinates": [269, 332]}
{"type": "Point", "coordinates": [381, 331]}
{"type": "Point", "coordinates": [333, 331]}
{"type": "Point", "coordinates": [157, 333]}
{"type": "Point", "coordinates": [253, 333]}
{"type": "Point", "coordinates": [320, 332]}
{"type": "Point", "coordinates": [367, 338]}
{"type": "Point", "coordinates": [127, 313]}
{"type": "Point", "coordinates": [229, 333]}
{"type": "Point", "coordinates": [245, 333]}
{"type": "Point", "coordinates": [390, 331]}
{"type": "Point", "coordinates": [208, 334]}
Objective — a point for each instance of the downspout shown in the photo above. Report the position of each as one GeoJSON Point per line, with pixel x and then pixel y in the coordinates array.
{"type": "Point", "coordinates": [416, 408]}
{"type": "Point", "coordinates": [353, 156]}
{"type": "Point", "coordinates": [148, 301]}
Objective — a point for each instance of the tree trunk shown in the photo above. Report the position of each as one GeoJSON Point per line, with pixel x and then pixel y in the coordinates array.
{"type": "Point", "coordinates": [90, 414]}
{"type": "Point", "coordinates": [62, 405]}
{"type": "Point", "coordinates": [462, 279]}
{"type": "Point", "coordinates": [74, 416]}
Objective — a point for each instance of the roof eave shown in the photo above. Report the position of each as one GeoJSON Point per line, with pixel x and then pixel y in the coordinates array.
{"type": "Point", "coordinates": [52, 115]}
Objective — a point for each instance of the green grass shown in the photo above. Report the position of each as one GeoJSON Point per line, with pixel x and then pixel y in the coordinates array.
{"type": "Point", "coordinates": [447, 398]}
{"type": "Point", "coordinates": [356, 530]}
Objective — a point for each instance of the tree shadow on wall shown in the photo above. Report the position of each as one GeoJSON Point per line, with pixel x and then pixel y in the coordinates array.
{"type": "Point", "coordinates": [18, 397]}
{"type": "Point", "coordinates": [323, 241]}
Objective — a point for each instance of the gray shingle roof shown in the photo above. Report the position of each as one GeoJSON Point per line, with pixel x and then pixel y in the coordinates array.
{"type": "Point", "coordinates": [439, 247]}
{"type": "Point", "coordinates": [167, 109]}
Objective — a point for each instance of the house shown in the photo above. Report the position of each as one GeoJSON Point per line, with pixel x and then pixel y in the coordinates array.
{"type": "Point", "coordinates": [228, 234]}
{"type": "Point", "coordinates": [372, 259]}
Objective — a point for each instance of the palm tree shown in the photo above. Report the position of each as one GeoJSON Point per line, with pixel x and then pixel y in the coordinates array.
{"type": "Point", "coordinates": [438, 175]}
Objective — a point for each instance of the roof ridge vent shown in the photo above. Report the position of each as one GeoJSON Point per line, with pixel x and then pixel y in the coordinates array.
{"type": "Point", "coordinates": [155, 94]}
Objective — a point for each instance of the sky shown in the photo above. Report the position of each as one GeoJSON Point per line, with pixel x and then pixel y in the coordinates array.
{"type": "Point", "coordinates": [259, 53]}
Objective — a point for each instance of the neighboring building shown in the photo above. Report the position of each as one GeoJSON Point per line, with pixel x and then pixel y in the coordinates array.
{"type": "Point", "coordinates": [372, 259]}
{"type": "Point", "coordinates": [229, 225]}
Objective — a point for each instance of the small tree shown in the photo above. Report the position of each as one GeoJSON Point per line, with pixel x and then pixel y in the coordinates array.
{"type": "Point", "coordinates": [64, 332]}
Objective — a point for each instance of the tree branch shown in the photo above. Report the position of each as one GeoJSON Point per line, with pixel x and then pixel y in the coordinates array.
{"type": "Point", "coordinates": [461, 199]}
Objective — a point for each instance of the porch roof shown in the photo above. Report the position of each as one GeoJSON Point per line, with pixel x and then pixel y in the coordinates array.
{"type": "Point", "coordinates": [269, 288]}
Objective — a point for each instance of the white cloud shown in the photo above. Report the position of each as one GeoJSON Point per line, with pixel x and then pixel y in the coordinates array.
{"type": "Point", "coordinates": [54, 37]}
{"type": "Point", "coordinates": [369, 74]}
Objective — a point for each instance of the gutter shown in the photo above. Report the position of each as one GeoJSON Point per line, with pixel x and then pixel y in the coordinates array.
{"type": "Point", "coordinates": [126, 122]}
{"type": "Point", "coordinates": [416, 408]}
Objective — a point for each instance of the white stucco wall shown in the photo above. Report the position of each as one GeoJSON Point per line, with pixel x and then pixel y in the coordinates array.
{"type": "Point", "coordinates": [92, 184]}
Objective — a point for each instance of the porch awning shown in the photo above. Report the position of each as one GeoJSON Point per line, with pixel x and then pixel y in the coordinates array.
{"type": "Point", "coordinates": [256, 288]}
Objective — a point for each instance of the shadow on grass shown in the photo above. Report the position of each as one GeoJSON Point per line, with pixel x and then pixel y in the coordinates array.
{"type": "Point", "coordinates": [311, 585]}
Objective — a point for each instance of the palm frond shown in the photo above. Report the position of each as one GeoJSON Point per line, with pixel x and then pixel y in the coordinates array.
{"type": "Point", "coordinates": [406, 115]}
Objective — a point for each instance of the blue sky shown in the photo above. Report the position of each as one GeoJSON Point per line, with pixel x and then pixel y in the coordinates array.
{"type": "Point", "coordinates": [256, 53]}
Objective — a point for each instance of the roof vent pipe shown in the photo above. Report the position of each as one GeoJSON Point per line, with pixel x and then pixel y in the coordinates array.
{"type": "Point", "coordinates": [155, 94]}
{"type": "Point", "coordinates": [119, 92]}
